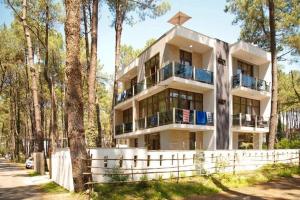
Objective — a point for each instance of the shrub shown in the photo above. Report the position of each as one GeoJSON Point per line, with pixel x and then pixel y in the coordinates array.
{"type": "Point", "coordinates": [116, 174]}
{"type": "Point", "coordinates": [288, 144]}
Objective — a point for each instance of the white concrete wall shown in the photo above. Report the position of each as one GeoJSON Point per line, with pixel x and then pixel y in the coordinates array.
{"type": "Point", "coordinates": [62, 168]}
{"type": "Point", "coordinates": [189, 162]}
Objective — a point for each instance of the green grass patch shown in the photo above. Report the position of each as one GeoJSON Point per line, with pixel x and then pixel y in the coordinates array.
{"type": "Point", "coordinates": [33, 173]}
{"type": "Point", "coordinates": [190, 186]}
{"type": "Point", "coordinates": [52, 187]}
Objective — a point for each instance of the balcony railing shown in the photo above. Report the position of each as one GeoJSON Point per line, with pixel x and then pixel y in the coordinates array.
{"type": "Point", "coordinates": [239, 80]}
{"type": "Point", "coordinates": [176, 116]}
{"type": "Point", "coordinates": [123, 128]}
{"type": "Point", "coordinates": [248, 120]}
{"type": "Point", "coordinates": [170, 70]}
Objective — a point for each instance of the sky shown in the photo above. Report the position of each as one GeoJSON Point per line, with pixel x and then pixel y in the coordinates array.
{"type": "Point", "coordinates": [208, 17]}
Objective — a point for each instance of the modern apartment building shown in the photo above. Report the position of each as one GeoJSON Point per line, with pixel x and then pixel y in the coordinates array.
{"type": "Point", "coordinates": [190, 91]}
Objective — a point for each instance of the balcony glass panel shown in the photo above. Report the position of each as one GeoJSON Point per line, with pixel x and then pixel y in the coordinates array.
{"type": "Point", "coordinates": [183, 116]}
{"type": "Point", "coordinates": [203, 76]}
{"type": "Point", "coordinates": [152, 121]}
{"type": "Point", "coordinates": [166, 72]}
{"type": "Point", "coordinates": [165, 117]}
{"type": "Point", "coordinates": [151, 80]}
{"type": "Point", "coordinates": [183, 71]}
{"type": "Point", "coordinates": [127, 127]}
{"type": "Point", "coordinates": [119, 129]}
{"type": "Point", "coordinates": [250, 82]}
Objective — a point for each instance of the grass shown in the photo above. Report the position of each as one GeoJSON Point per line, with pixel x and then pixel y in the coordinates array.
{"type": "Point", "coordinates": [33, 173]}
{"type": "Point", "coordinates": [190, 186]}
{"type": "Point", "coordinates": [52, 187]}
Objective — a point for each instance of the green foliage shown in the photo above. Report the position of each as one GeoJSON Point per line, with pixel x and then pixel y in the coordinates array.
{"type": "Point", "coordinates": [191, 186]}
{"type": "Point", "coordinates": [133, 11]}
{"type": "Point", "coordinates": [116, 175]}
{"type": "Point", "coordinates": [252, 16]}
{"type": "Point", "coordinates": [52, 187]}
{"type": "Point", "coordinates": [288, 144]}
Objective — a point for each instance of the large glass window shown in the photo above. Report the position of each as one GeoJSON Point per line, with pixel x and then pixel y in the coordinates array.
{"type": "Point", "coordinates": [245, 68]}
{"type": "Point", "coordinates": [245, 106]}
{"type": "Point", "coordinates": [168, 99]}
{"type": "Point", "coordinates": [185, 58]}
{"type": "Point", "coordinates": [127, 115]}
{"type": "Point", "coordinates": [152, 141]}
{"type": "Point", "coordinates": [151, 67]}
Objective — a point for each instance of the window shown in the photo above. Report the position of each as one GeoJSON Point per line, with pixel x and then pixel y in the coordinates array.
{"type": "Point", "coordinates": [185, 58]}
{"type": "Point", "coordinates": [245, 68]}
{"type": "Point", "coordinates": [127, 115]}
{"type": "Point", "coordinates": [135, 142]}
{"type": "Point", "coordinates": [152, 141]}
{"type": "Point", "coordinates": [245, 106]}
{"type": "Point", "coordinates": [152, 65]}
{"type": "Point", "coordinates": [245, 141]}
{"type": "Point", "coordinates": [192, 138]}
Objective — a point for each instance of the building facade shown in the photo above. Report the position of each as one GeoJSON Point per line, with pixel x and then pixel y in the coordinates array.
{"type": "Point", "coordinates": [189, 91]}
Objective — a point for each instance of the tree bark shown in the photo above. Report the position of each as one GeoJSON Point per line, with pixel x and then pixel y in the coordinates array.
{"type": "Point", "coordinates": [39, 147]}
{"type": "Point", "coordinates": [120, 14]}
{"type": "Point", "coordinates": [92, 136]}
{"type": "Point", "coordinates": [273, 119]}
{"type": "Point", "coordinates": [74, 101]}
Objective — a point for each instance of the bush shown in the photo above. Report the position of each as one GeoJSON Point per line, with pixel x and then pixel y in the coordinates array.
{"type": "Point", "coordinates": [288, 144]}
{"type": "Point", "coordinates": [117, 175]}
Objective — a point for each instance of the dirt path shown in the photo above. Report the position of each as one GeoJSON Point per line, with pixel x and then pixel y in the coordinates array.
{"type": "Point", "coordinates": [16, 184]}
{"type": "Point", "coordinates": [284, 188]}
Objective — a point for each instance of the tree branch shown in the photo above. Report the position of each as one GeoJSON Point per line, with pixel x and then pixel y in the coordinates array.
{"type": "Point", "coordinates": [21, 19]}
{"type": "Point", "coordinates": [294, 87]}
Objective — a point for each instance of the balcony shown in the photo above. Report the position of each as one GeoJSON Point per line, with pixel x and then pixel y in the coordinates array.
{"type": "Point", "coordinates": [123, 128]}
{"type": "Point", "coordinates": [176, 116]}
{"type": "Point", "coordinates": [201, 77]}
{"type": "Point", "coordinates": [246, 122]}
{"type": "Point", "coordinates": [250, 87]}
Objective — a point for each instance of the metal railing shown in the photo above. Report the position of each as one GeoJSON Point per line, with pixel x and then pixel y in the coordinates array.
{"type": "Point", "coordinates": [171, 69]}
{"type": "Point", "coordinates": [249, 121]}
{"type": "Point", "coordinates": [176, 116]}
{"type": "Point", "coordinates": [124, 128]}
{"type": "Point", "coordinates": [241, 80]}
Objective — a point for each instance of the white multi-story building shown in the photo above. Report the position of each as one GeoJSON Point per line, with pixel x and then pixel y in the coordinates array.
{"type": "Point", "coordinates": [190, 91]}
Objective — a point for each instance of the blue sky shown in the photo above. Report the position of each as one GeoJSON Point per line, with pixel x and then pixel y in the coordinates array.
{"type": "Point", "coordinates": [208, 17]}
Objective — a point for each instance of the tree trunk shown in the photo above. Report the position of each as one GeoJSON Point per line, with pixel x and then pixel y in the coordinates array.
{"type": "Point", "coordinates": [118, 30]}
{"type": "Point", "coordinates": [99, 138]}
{"type": "Point", "coordinates": [273, 119]}
{"type": "Point", "coordinates": [39, 147]}
{"type": "Point", "coordinates": [86, 37]}
{"type": "Point", "coordinates": [92, 136]}
{"type": "Point", "coordinates": [74, 101]}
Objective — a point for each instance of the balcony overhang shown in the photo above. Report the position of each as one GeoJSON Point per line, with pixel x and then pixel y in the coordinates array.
{"type": "Point", "coordinates": [245, 129]}
{"type": "Point", "coordinates": [128, 72]}
{"type": "Point", "coordinates": [172, 82]}
{"type": "Point", "coordinates": [183, 127]}
{"type": "Point", "coordinates": [250, 93]}
{"type": "Point", "coordinates": [249, 53]}
{"type": "Point", "coordinates": [178, 36]}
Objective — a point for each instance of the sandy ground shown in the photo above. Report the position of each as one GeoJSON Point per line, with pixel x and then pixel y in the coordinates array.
{"type": "Point", "coordinates": [16, 184]}
{"type": "Point", "coordinates": [284, 188]}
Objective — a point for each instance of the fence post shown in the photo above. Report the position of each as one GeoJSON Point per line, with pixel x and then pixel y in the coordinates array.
{"type": "Point", "coordinates": [132, 173]}
{"type": "Point", "coordinates": [234, 158]}
{"type": "Point", "coordinates": [299, 157]}
{"type": "Point", "coordinates": [177, 168]}
{"type": "Point", "coordinates": [274, 158]}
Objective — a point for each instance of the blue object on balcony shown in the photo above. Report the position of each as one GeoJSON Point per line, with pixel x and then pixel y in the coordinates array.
{"type": "Point", "coordinates": [201, 118]}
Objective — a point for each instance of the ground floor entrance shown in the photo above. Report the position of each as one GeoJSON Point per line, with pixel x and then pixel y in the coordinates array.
{"type": "Point", "coordinates": [244, 140]}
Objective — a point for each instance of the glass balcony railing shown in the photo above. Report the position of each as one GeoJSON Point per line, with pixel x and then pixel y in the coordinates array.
{"type": "Point", "coordinates": [176, 116]}
{"type": "Point", "coordinates": [240, 79]}
{"type": "Point", "coordinates": [172, 69]}
{"type": "Point", "coordinates": [249, 120]}
{"type": "Point", "coordinates": [172, 116]}
{"type": "Point", "coordinates": [123, 128]}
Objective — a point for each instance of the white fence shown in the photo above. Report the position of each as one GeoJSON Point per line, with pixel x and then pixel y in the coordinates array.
{"type": "Point", "coordinates": [136, 163]}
